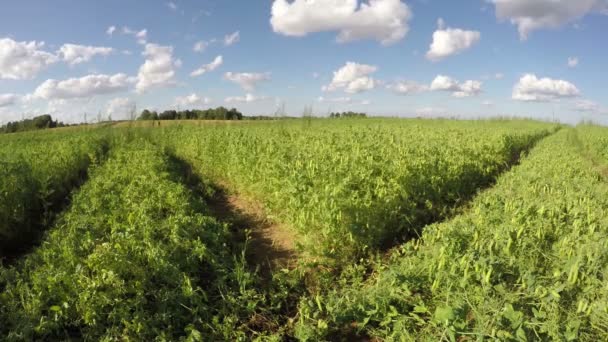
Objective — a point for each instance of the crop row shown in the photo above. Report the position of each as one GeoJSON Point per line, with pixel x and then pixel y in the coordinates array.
{"type": "Point", "coordinates": [38, 171]}
{"type": "Point", "coordinates": [133, 258]}
{"type": "Point", "coordinates": [348, 186]}
{"type": "Point", "coordinates": [528, 261]}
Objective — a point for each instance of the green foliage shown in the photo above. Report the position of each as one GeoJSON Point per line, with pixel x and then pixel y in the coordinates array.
{"type": "Point", "coordinates": [36, 123]}
{"type": "Point", "coordinates": [38, 170]}
{"type": "Point", "coordinates": [219, 113]}
{"type": "Point", "coordinates": [132, 259]}
{"type": "Point", "coordinates": [349, 186]}
{"type": "Point", "coordinates": [527, 261]}
{"type": "Point", "coordinates": [349, 114]}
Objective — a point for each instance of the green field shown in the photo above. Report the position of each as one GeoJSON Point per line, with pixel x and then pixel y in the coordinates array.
{"type": "Point", "coordinates": [311, 229]}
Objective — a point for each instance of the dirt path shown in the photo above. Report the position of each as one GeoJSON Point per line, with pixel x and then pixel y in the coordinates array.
{"type": "Point", "coordinates": [271, 245]}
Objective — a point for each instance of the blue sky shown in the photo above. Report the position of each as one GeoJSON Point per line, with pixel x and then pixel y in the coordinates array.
{"type": "Point", "coordinates": [473, 58]}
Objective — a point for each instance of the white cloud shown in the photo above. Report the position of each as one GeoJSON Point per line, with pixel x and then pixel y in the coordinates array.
{"type": "Point", "coordinates": [23, 60]}
{"type": "Point", "coordinates": [232, 38]}
{"type": "Point", "coordinates": [450, 41]}
{"type": "Point", "coordinates": [172, 5]}
{"type": "Point", "coordinates": [141, 36]}
{"type": "Point", "coordinates": [246, 99]}
{"type": "Point", "coordinates": [335, 99]}
{"type": "Point", "coordinates": [499, 76]}
{"type": "Point", "coordinates": [315, 75]}
{"type": "Point", "coordinates": [531, 15]}
{"type": "Point", "coordinates": [192, 100]}
{"type": "Point", "coordinates": [248, 81]}
{"type": "Point", "coordinates": [8, 99]}
{"type": "Point", "coordinates": [200, 46]}
{"type": "Point", "coordinates": [120, 108]}
{"type": "Point", "coordinates": [572, 62]}
{"type": "Point", "coordinates": [110, 31]}
{"type": "Point", "coordinates": [531, 88]}
{"type": "Point", "coordinates": [353, 78]}
{"type": "Point", "coordinates": [216, 63]}
{"type": "Point", "coordinates": [488, 103]}
{"type": "Point", "coordinates": [407, 87]}
{"type": "Point", "coordinates": [158, 70]}
{"type": "Point", "coordinates": [464, 89]}
{"type": "Point", "coordinates": [75, 54]}
{"type": "Point", "coordinates": [383, 20]}
{"type": "Point", "coordinates": [586, 106]}
{"type": "Point", "coordinates": [86, 86]}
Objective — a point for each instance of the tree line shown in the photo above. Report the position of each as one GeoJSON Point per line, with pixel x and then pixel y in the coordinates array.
{"type": "Point", "coordinates": [39, 122]}
{"type": "Point", "coordinates": [219, 113]}
{"type": "Point", "coordinates": [348, 114]}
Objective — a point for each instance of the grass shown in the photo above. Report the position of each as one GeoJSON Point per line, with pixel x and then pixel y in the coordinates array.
{"type": "Point", "coordinates": [405, 230]}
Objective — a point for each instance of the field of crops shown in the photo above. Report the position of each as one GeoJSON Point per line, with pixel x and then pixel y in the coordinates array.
{"type": "Point", "coordinates": [402, 230]}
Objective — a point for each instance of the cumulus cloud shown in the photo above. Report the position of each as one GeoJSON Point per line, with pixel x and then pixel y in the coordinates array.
{"type": "Point", "coordinates": [23, 60]}
{"type": "Point", "coordinates": [540, 14]}
{"type": "Point", "coordinates": [383, 20]}
{"type": "Point", "coordinates": [158, 70]}
{"type": "Point", "coordinates": [121, 108]}
{"type": "Point", "coordinates": [532, 88]}
{"type": "Point", "coordinates": [246, 99]}
{"type": "Point", "coordinates": [110, 31]}
{"type": "Point", "coordinates": [172, 5]}
{"type": "Point", "coordinates": [450, 41]}
{"type": "Point", "coordinates": [248, 81]}
{"type": "Point", "coordinates": [458, 89]}
{"type": "Point", "coordinates": [75, 54]}
{"type": "Point", "coordinates": [232, 38]}
{"type": "Point", "coordinates": [353, 78]}
{"type": "Point", "coordinates": [192, 100]}
{"type": "Point", "coordinates": [216, 63]}
{"type": "Point", "coordinates": [572, 62]}
{"type": "Point", "coordinates": [407, 87]}
{"type": "Point", "coordinates": [86, 86]}
{"type": "Point", "coordinates": [8, 99]}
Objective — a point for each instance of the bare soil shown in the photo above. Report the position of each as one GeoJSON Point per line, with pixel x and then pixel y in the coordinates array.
{"type": "Point", "coordinates": [271, 245]}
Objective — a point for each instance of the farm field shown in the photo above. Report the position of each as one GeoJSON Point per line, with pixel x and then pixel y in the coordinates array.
{"type": "Point", "coordinates": [309, 229]}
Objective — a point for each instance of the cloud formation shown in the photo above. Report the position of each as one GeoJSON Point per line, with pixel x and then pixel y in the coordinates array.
{"type": "Point", "coordinates": [158, 70]}
{"type": "Point", "coordinates": [232, 38]}
{"type": "Point", "coordinates": [247, 80]}
{"type": "Point", "coordinates": [353, 78]}
{"type": "Point", "coordinates": [192, 100]}
{"type": "Point", "coordinates": [531, 15]}
{"type": "Point", "coordinates": [465, 89]}
{"type": "Point", "coordinates": [246, 99]}
{"type": "Point", "coordinates": [76, 54]}
{"type": "Point", "coordinates": [450, 41]}
{"type": "Point", "coordinates": [23, 60]}
{"type": "Point", "coordinates": [8, 99]}
{"type": "Point", "coordinates": [532, 88]}
{"type": "Point", "coordinates": [86, 86]}
{"type": "Point", "coordinates": [407, 87]}
{"type": "Point", "coordinates": [216, 63]}
{"type": "Point", "coordinates": [383, 20]}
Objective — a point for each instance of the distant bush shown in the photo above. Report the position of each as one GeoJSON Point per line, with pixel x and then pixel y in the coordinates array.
{"type": "Point", "coordinates": [38, 122]}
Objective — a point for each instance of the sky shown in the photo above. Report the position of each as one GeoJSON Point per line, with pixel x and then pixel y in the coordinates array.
{"type": "Point", "coordinates": [88, 60]}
